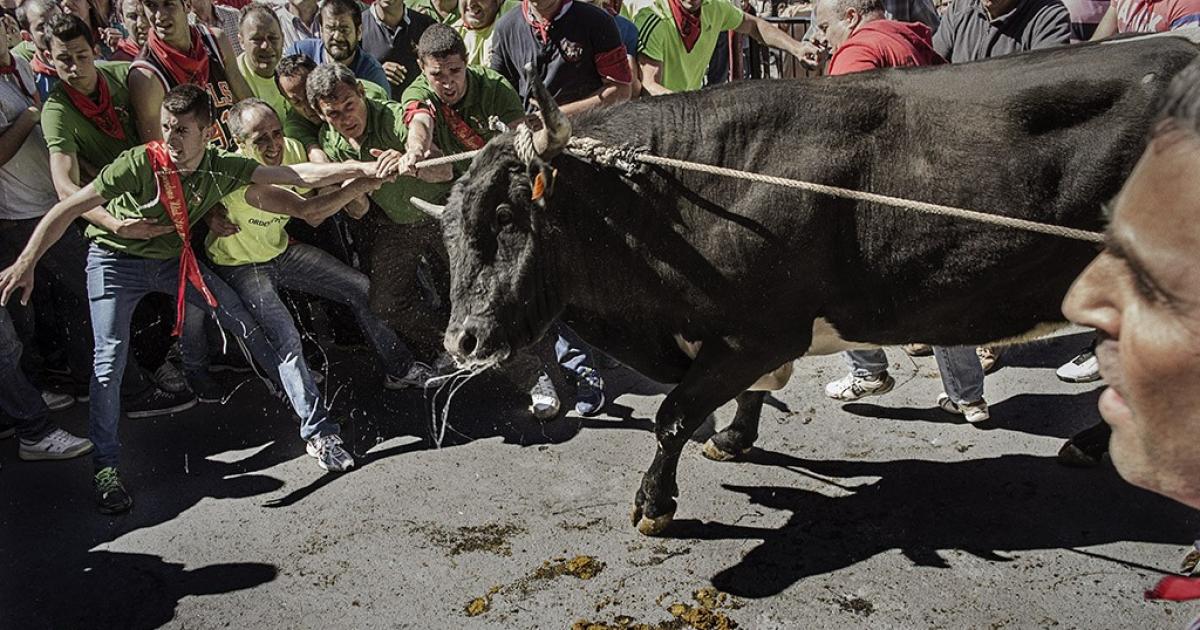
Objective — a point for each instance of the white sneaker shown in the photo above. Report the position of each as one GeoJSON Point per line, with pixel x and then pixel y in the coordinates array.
{"type": "Point", "coordinates": [987, 358]}
{"type": "Point", "coordinates": [58, 444]}
{"type": "Point", "coordinates": [543, 400]}
{"type": "Point", "coordinates": [56, 401]}
{"type": "Point", "coordinates": [329, 453]}
{"type": "Point", "coordinates": [1082, 369]}
{"type": "Point", "coordinates": [975, 412]}
{"type": "Point", "coordinates": [851, 387]}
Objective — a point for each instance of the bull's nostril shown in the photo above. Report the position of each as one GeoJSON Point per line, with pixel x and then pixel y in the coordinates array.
{"type": "Point", "coordinates": [466, 343]}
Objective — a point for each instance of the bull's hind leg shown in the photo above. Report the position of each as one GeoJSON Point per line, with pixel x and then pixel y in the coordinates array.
{"type": "Point", "coordinates": [716, 375]}
{"type": "Point", "coordinates": [737, 439]}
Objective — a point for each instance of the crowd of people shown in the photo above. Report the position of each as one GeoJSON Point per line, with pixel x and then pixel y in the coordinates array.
{"type": "Point", "coordinates": [154, 153]}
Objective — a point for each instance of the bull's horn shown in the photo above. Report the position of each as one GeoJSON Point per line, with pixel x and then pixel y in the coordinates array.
{"type": "Point", "coordinates": [432, 209]}
{"type": "Point", "coordinates": [552, 138]}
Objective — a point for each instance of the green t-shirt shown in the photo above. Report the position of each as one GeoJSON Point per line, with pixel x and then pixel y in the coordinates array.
{"type": "Point", "coordinates": [67, 130]}
{"type": "Point", "coordinates": [24, 50]}
{"type": "Point", "coordinates": [427, 7]}
{"type": "Point", "coordinates": [478, 41]}
{"type": "Point", "coordinates": [488, 94]}
{"type": "Point", "coordinates": [385, 130]}
{"type": "Point", "coordinates": [131, 190]}
{"type": "Point", "coordinates": [658, 39]}
{"type": "Point", "coordinates": [263, 88]}
{"type": "Point", "coordinates": [262, 236]}
{"type": "Point", "coordinates": [307, 132]}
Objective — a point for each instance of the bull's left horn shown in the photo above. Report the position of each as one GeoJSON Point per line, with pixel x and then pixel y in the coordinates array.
{"type": "Point", "coordinates": [432, 209]}
{"type": "Point", "coordinates": [552, 138]}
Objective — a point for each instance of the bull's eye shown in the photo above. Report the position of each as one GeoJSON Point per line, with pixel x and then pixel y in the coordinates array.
{"type": "Point", "coordinates": [503, 215]}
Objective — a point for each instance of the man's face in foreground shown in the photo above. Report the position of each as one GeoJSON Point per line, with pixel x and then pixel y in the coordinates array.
{"type": "Point", "coordinates": [1142, 294]}
{"type": "Point", "coordinates": [346, 111]}
{"type": "Point", "coordinates": [264, 136]}
{"type": "Point", "coordinates": [185, 136]}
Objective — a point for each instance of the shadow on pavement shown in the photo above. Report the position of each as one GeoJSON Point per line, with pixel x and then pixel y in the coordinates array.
{"type": "Point", "coordinates": [921, 508]}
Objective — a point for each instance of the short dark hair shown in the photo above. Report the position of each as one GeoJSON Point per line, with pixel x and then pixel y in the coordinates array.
{"type": "Point", "coordinates": [64, 27]}
{"type": "Point", "coordinates": [189, 99]}
{"type": "Point", "coordinates": [323, 82]}
{"type": "Point", "coordinates": [237, 113]}
{"type": "Point", "coordinates": [343, 7]}
{"type": "Point", "coordinates": [440, 41]}
{"type": "Point", "coordinates": [46, 6]}
{"type": "Point", "coordinates": [257, 9]}
{"type": "Point", "coordinates": [293, 66]}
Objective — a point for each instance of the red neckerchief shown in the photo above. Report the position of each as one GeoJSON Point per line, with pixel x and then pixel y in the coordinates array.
{"type": "Point", "coordinates": [171, 195]}
{"type": "Point", "coordinates": [41, 67]}
{"type": "Point", "coordinates": [11, 68]}
{"type": "Point", "coordinates": [100, 112]}
{"type": "Point", "coordinates": [541, 26]}
{"type": "Point", "coordinates": [190, 67]}
{"type": "Point", "coordinates": [687, 23]}
{"type": "Point", "coordinates": [129, 47]}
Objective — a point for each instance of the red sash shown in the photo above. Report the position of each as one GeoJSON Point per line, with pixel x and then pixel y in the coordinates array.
{"type": "Point", "coordinates": [463, 132]}
{"type": "Point", "coordinates": [171, 195]}
{"type": "Point", "coordinates": [101, 111]}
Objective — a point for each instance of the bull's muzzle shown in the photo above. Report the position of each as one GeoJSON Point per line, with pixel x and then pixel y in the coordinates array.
{"type": "Point", "coordinates": [469, 344]}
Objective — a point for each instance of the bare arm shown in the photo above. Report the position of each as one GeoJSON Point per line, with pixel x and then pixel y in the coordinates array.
{"type": "Point", "coordinates": [237, 83]}
{"type": "Point", "coordinates": [1107, 26]}
{"type": "Point", "coordinates": [652, 76]}
{"type": "Point", "coordinates": [146, 94]}
{"type": "Point", "coordinates": [312, 175]}
{"type": "Point", "coordinates": [47, 232]}
{"type": "Point", "coordinates": [312, 210]}
{"type": "Point", "coordinates": [610, 94]}
{"type": "Point", "coordinates": [13, 137]}
{"type": "Point", "coordinates": [64, 169]}
{"type": "Point", "coordinates": [770, 35]}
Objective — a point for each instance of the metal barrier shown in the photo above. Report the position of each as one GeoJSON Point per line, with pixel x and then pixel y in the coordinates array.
{"type": "Point", "coordinates": [756, 61]}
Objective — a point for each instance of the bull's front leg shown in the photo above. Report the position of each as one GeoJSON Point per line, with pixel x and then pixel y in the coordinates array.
{"type": "Point", "coordinates": [737, 439]}
{"type": "Point", "coordinates": [721, 370]}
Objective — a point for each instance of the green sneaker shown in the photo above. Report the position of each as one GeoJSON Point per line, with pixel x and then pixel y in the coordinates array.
{"type": "Point", "coordinates": [111, 496]}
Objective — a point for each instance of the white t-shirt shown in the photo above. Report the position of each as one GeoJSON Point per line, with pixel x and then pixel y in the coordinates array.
{"type": "Point", "coordinates": [26, 189]}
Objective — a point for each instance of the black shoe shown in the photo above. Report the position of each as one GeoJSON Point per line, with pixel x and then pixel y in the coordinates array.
{"type": "Point", "coordinates": [111, 497]}
{"type": "Point", "coordinates": [1087, 448]}
{"type": "Point", "coordinates": [233, 362]}
{"type": "Point", "coordinates": [155, 402]}
{"type": "Point", "coordinates": [206, 389]}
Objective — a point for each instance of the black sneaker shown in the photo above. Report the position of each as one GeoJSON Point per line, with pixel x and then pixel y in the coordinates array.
{"type": "Point", "coordinates": [155, 402]}
{"type": "Point", "coordinates": [233, 362]}
{"type": "Point", "coordinates": [206, 388]}
{"type": "Point", "coordinates": [111, 497]}
{"type": "Point", "coordinates": [589, 397]}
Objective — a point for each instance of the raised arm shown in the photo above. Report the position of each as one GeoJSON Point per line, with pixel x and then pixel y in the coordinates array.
{"type": "Point", "coordinates": [146, 94]}
{"type": "Point", "coordinates": [770, 35]}
{"type": "Point", "coordinates": [237, 83]}
{"type": "Point", "coordinates": [312, 210]}
{"type": "Point", "coordinates": [47, 232]}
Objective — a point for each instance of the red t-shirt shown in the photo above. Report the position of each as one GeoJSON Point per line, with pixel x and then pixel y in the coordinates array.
{"type": "Point", "coordinates": [885, 44]}
{"type": "Point", "coordinates": [1156, 16]}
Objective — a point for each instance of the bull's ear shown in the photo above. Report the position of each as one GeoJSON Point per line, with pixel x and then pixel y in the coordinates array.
{"type": "Point", "coordinates": [541, 178]}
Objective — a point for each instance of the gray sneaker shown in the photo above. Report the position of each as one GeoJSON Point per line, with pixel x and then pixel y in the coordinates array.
{"type": "Point", "coordinates": [57, 444]}
{"type": "Point", "coordinates": [170, 379]}
{"type": "Point", "coordinates": [543, 400]}
{"type": "Point", "coordinates": [329, 453]}
{"type": "Point", "coordinates": [418, 375]}
{"type": "Point", "coordinates": [56, 401]}
{"type": "Point", "coordinates": [851, 387]}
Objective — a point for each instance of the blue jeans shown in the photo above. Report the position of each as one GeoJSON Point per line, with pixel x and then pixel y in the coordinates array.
{"type": "Point", "coordinates": [307, 269]}
{"type": "Point", "coordinates": [572, 353]}
{"type": "Point", "coordinates": [116, 282]}
{"type": "Point", "coordinates": [962, 375]}
{"type": "Point", "coordinates": [19, 399]}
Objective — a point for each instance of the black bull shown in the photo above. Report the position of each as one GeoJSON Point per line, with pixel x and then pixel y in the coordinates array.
{"type": "Point", "coordinates": [637, 262]}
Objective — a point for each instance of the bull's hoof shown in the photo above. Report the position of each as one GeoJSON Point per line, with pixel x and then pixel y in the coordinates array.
{"type": "Point", "coordinates": [654, 526]}
{"type": "Point", "coordinates": [650, 526]}
{"type": "Point", "coordinates": [718, 454]}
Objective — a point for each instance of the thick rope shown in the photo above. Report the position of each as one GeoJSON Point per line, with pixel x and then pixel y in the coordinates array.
{"type": "Point", "coordinates": [589, 148]}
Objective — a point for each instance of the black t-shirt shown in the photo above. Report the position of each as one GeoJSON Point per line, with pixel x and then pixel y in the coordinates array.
{"type": "Point", "coordinates": [567, 63]}
{"type": "Point", "coordinates": [399, 45]}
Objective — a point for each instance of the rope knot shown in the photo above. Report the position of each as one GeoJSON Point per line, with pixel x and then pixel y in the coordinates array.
{"type": "Point", "coordinates": [623, 158]}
